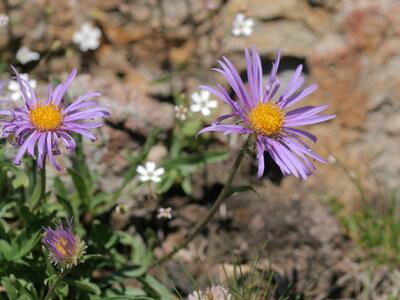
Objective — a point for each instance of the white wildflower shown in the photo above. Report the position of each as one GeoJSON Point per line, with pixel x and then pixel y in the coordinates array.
{"type": "Point", "coordinates": [164, 213]}
{"type": "Point", "coordinates": [14, 88]}
{"type": "Point", "coordinates": [149, 172]}
{"type": "Point", "coordinates": [202, 103]}
{"type": "Point", "coordinates": [181, 112]}
{"type": "Point", "coordinates": [25, 55]}
{"type": "Point", "coordinates": [242, 25]}
{"type": "Point", "coordinates": [4, 19]}
{"type": "Point", "coordinates": [88, 37]}
{"type": "Point", "coordinates": [216, 292]}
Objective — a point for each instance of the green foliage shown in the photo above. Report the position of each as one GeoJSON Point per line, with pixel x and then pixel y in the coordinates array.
{"type": "Point", "coordinates": [116, 265]}
{"type": "Point", "coordinates": [376, 230]}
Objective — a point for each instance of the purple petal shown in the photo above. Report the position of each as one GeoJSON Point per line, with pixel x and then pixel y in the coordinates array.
{"type": "Point", "coordinates": [300, 132]}
{"type": "Point", "coordinates": [62, 88]}
{"type": "Point", "coordinates": [50, 152]}
{"type": "Point", "coordinates": [81, 99]}
{"type": "Point", "coordinates": [226, 129]}
{"type": "Point", "coordinates": [260, 156]}
{"type": "Point", "coordinates": [22, 149]}
{"type": "Point", "coordinates": [42, 150]}
{"type": "Point", "coordinates": [30, 101]}
{"type": "Point", "coordinates": [309, 121]}
{"type": "Point", "coordinates": [305, 111]}
{"type": "Point", "coordinates": [304, 93]}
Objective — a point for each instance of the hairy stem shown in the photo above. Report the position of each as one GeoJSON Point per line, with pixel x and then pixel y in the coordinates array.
{"type": "Point", "coordinates": [53, 286]}
{"type": "Point", "coordinates": [42, 187]}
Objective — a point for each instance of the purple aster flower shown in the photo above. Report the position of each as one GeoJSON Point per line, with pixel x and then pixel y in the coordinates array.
{"type": "Point", "coordinates": [40, 127]}
{"type": "Point", "coordinates": [65, 249]}
{"type": "Point", "coordinates": [270, 117]}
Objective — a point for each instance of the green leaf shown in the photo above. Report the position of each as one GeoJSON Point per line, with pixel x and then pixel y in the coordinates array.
{"type": "Point", "coordinates": [21, 179]}
{"type": "Point", "coordinates": [241, 189]}
{"type": "Point", "coordinates": [167, 181]}
{"type": "Point", "coordinates": [80, 186]}
{"type": "Point", "coordinates": [66, 204]}
{"type": "Point", "coordinates": [10, 288]}
{"type": "Point", "coordinates": [187, 186]}
{"type": "Point", "coordinates": [160, 289]}
{"type": "Point", "coordinates": [26, 245]}
{"type": "Point", "coordinates": [85, 285]}
{"type": "Point", "coordinates": [6, 250]}
{"type": "Point", "coordinates": [60, 188]}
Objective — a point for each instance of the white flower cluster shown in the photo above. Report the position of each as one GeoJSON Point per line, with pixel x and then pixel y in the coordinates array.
{"type": "Point", "coordinates": [87, 37]}
{"type": "Point", "coordinates": [150, 172]}
{"type": "Point", "coordinates": [202, 103]}
{"type": "Point", "coordinates": [24, 55]}
{"type": "Point", "coordinates": [242, 25]}
{"type": "Point", "coordinates": [164, 213]}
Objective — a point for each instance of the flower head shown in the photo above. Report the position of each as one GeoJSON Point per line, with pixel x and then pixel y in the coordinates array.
{"type": "Point", "coordinates": [65, 249]}
{"type": "Point", "coordinates": [216, 292]}
{"type": "Point", "coordinates": [40, 126]}
{"type": "Point", "coordinates": [164, 213]}
{"type": "Point", "coordinates": [262, 113]}
{"type": "Point", "coordinates": [24, 55]}
{"type": "Point", "coordinates": [88, 37]}
{"type": "Point", "coordinates": [181, 112]}
{"type": "Point", "coordinates": [242, 25]}
{"type": "Point", "coordinates": [15, 90]}
{"type": "Point", "coordinates": [4, 19]}
{"type": "Point", "coordinates": [202, 103]}
{"type": "Point", "coordinates": [150, 172]}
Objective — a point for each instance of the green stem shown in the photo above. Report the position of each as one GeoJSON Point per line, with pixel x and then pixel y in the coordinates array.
{"type": "Point", "coordinates": [221, 198]}
{"type": "Point", "coordinates": [43, 183]}
{"type": "Point", "coordinates": [53, 286]}
{"type": "Point", "coordinates": [42, 187]}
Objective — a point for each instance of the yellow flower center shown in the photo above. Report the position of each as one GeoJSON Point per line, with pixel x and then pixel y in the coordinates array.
{"type": "Point", "coordinates": [61, 244]}
{"type": "Point", "coordinates": [266, 118]}
{"type": "Point", "coordinates": [46, 117]}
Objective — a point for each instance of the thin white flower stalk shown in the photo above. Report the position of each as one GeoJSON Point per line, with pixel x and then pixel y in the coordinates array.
{"type": "Point", "coordinates": [164, 213]}
{"type": "Point", "coordinates": [14, 90]}
{"type": "Point", "coordinates": [149, 172]}
{"type": "Point", "coordinates": [87, 37]}
{"type": "Point", "coordinates": [202, 103]}
{"type": "Point", "coordinates": [181, 112]}
{"type": "Point", "coordinates": [216, 292]}
{"type": "Point", "coordinates": [242, 25]}
{"type": "Point", "coordinates": [24, 55]}
{"type": "Point", "coordinates": [4, 20]}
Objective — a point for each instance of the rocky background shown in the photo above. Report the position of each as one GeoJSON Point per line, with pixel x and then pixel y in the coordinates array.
{"type": "Point", "coordinates": [152, 49]}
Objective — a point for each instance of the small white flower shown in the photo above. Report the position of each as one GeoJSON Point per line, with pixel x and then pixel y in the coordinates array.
{"type": "Point", "coordinates": [202, 103]}
{"type": "Point", "coordinates": [164, 213]}
{"type": "Point", "coordinates": [14, 88]}
{"type": "Point", "coordinates": [88, 37]}
{"type": "Point", "coordinates": [24, 55]}
{"type": "Point", "coordinates": [4, 19]}
{"type": "Point", "coordinates": [216, 292]}
{"type": "Point", "coordinates": [149, 172]}
{"type": "Point", "coordinates": [242, 25]}
{"type": "Point", "coordinates": [181, 112]}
